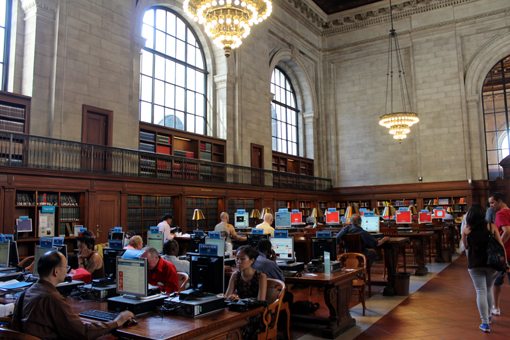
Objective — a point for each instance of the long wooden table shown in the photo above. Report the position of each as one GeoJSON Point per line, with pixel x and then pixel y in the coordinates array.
{"type": "Point", "coordinates": [218, 325]}
{"type": "Point", "coordinates": [391, 249]}
{"type": "Point", "coordinates": [337, 294]}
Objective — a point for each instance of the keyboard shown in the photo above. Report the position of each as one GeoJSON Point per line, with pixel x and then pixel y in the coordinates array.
{"type": "Point", "coordinates": [99, 315]}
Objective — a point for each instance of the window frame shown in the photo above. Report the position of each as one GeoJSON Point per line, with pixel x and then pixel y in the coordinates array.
{"type": "Point", "coordinates": [186, 66]}
{"type": "Point", "coordinates": [288, 142]}
{"type": "Point", "coordinates": [7, 45]}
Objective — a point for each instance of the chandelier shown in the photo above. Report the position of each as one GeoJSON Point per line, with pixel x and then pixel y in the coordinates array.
{"type": "Point", "coordinates": [399, 123]}
{"type": "Point", "coordinates": [228, 22]}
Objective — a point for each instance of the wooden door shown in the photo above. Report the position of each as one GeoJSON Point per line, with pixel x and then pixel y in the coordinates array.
{"type": "Point", "coordinates": [107, 215]}
{"type": "Point", "coordinates": [96, 130]}
{"type": "Point", "coordinates": [257, 162]}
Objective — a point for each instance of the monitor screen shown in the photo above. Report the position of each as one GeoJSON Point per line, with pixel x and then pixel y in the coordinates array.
{"type": "Point", "coordinates": [155, 241]}
{"type": "Point", "coordinates": [39, 251]}
{"type": "Point", "coordinates": [296, 217]}
{"type": "Point", "coordinates": [110, 261]}
{"type": "Point", "coordinates": [424, 217]}
{"type": "Point", "coordinates": [283, 248]}
{"type": "Point", "coordinates": [220, 243]}
{"type": "Point", "coordinates": [403, 217]}
{"type": "Point", "coordinates": [117, 236]}
{"type": "Point", "coordinates": [332, 217]}
{"type": "Point", "coordinates": [4, 254]}
{"type": "Point", "coordinates": [207, 273]}
{"type": "Point", "coordinates": [242, 220]}
{"type": "Point", "coordinates": [132, 277]}
{"type": "Point", "coordinates": [370, 223]}
{"type": "Point", "coordinates": [13, 254]}
{"type": "Point", "coordinates": [320, 245]}
{"type": "Point", "coordinates": [253, 239]}
{"type": "Point", "coordinates": [62, 249]}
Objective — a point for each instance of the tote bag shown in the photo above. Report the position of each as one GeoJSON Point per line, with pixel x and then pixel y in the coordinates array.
{"type": "Point", "coordinates": [495, 254]}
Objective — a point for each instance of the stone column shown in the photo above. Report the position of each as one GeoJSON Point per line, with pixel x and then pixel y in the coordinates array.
{"type": "Point", "coordinates": [39, 64]}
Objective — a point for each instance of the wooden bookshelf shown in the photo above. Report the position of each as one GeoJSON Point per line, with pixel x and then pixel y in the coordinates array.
{"type": "Point", "coordinates": [144, 211]}
{"type": "Point", "coordinates": [288, 163]}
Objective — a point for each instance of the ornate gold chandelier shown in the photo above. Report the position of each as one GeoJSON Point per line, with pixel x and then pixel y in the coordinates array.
{"type": "Point", "coordinates": [399, 123]}
{"type": "Point", "coordinates": [228, 22]}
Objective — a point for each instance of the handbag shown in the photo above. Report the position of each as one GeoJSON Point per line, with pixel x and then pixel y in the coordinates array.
{"type": "Point", "coordinates": [495, 254]}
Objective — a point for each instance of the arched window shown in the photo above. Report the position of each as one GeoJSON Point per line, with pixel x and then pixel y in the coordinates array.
{"type": "Point", "coordinates": [496, 107]}
{"type": "Point", "coordinates": [284, 114]}
{"type": "Point", "coordinates": [5, 33]}
{"type": "Point", "coordinates": [173, 74]}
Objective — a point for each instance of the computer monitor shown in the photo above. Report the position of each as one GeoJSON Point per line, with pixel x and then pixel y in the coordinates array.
{"type": "Point", "coordinates": [253, 239]}
{"type": "Point", "coordinates": [283, 248]}
{"type": "Point", "coordinates": [332, 217]}
{"type": "Point", "coordinates": [62, 249]}
{"type": "Point", "coordinates": [241, 220]}
{"type": "Point", "coordinates": [370, 224]}
{"type": "Point", "coordinates": [207, 273]}
{"type": "Point", "coordinates": [320, 245]}
{"type": "Point", "coordinates": [296, 217]}
{"type": "Point", "coordinates": [155, 240]}
{"type": "Point", "coordinates": [403, 217]}
{"type": "Point", "coordinates": [116, 240]}
{"type": "Point", "coordinates": [132, 277]}
{"type": "Point", "coordinates": [195, 242]}
{"type": "Point", "coordinates": [13, 254]}
{"type": "Point", "coordinates": [220, 243]}
{"type": "Point", "coordinates": [4, 253]}
{"type": "Point", "coordinates": [110, 261]}
{"type": "Point", "coordinates": [39, 251]}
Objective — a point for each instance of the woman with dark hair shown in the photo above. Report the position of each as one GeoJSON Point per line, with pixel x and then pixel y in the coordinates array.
{"type": "Point", "coordinates": [247, 282]}
{"type": "Point", "coordinates": [88, 258]}
{"type": "Point", "coordinates": [475, 238]}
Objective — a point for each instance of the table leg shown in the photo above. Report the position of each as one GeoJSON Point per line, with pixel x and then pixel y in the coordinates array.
{"type": "Point", "coordinates": [419, 253]}
{"type": "Point", "coordinates": [390, 261]}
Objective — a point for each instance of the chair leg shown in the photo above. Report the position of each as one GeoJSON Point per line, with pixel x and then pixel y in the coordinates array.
{"type": "Point", "coordinates": [287, 326]}
{"type": "Point", "coordinates": [362, 298]}
{"type": "Point", "coordinates": [369, 279]}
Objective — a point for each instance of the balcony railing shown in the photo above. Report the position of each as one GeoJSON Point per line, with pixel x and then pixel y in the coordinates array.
{"type": "Point", "coordinates": [17, 150]}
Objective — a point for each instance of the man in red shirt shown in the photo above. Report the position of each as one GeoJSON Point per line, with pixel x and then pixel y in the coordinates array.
{"type": "Point", "coordinates": [161, 272]}
{"type": "Point", "coordinates": [503, 224]}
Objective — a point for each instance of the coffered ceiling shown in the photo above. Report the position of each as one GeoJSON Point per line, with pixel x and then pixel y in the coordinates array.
{"type": "Point", "coordinates": [334, 6]}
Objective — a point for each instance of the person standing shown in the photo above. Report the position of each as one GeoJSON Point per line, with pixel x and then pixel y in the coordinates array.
{"type": "Point", "coordinates": [476, 238]}
{"type": "Point", "coordinates": [502, 221]}
{"type": "Point", "coordinates": [165, 226]}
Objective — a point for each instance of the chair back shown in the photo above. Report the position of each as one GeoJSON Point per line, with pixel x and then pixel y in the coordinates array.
{"type": "Point", "coordinates": [352, 243]}
{"type": "Point", "coordinates": [274, 298]}
{"type": "Point", "coordinates": [183, 279]}
{"type": "Point", "coordinates": [353, 260]}
{"type": "Point", "coordinates": [6, 333]}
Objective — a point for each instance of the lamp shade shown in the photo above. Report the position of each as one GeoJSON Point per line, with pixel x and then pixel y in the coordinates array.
{"type": "Point", "coordinates": [316, 213]}
{"type": "Point", "coordinates": [198, 215]}
{"type": "Point", "coordinates": [355, 208]}
{"type": "Point", "coordinates": [449, 210]}
{"type": "Point", "coordinates": [348, 213]}
{"type": "Point", "coordinates": [376, 211]}
{"type": "Point", "coordinates": [255, 213]}
{"type": "Point", "coordinates": [413, 210]}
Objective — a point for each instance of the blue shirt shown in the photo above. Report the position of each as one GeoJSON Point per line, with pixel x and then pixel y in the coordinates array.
{"type": "Point", "coordinates": [368, 240]}
{"type": "Point", "coordinates": [268, 267]}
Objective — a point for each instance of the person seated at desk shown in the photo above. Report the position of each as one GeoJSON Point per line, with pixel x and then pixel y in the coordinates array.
{"type": "Point", "coordinates": [264, 262]}
{"type": "Point", "coordinates": [44, 313]}
{"type": "Point", "coordinates": [161, 272]}
{"type": "Point", "coordinates": [266, 225]}
{"type": "Point", "coordinates": [369, 242]}
{"type": "Point", "coordinates": [246, 282]}
{"type": "Point", "coordinates": [228, 228]}
{"type": "Point", "coordinates": [89, 259]}
{"type": "Point", "coordinates": [170, 252]}
{"type": "Point", "coordinates": [165, 227]}
{"type": "Point", "coordinates": [135, 242]}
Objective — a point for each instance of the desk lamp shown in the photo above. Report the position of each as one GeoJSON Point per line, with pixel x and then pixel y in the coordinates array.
{"type": "Point", "coordinates": [376, 211]}
{"type": "Point", "coordinates": [412, 209]}
{"type": "Point", "coordinates": [255, 215]}
{"type": "Point", "coordinates": [198, 215]}
{"type": "Point", "coordinates": [266, 211]}
{"type": "Point", "coordinates": [355, 208]}
{"type": "Point", "coordinates": [348, 214]}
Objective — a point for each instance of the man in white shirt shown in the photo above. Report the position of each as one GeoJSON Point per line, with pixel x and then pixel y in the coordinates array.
{"type": "Point", "coordinates": [266, 225]}
{"type": "Point", "coordinates": [165, 227]}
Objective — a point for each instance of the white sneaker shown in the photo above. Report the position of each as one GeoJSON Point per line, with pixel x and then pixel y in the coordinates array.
{"type": "Point", "coordinates": [495, 311]}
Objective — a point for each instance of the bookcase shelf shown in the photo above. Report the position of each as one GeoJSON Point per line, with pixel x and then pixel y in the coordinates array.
{"type": "Point", "coordinates": [144, 211]}
{"type": "Point", "coordinates": [288, 163]}
{"type": "Point", "coordinates": [209, 207]}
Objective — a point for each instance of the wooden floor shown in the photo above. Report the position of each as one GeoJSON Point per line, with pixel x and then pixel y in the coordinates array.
{"type": "Point", "coordinates": [444, 308]}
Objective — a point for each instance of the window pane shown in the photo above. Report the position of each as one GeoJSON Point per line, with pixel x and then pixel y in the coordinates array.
{"type": "Point", "coordinates": [146, 61]}
{"type": "Point", "coordinates": [172, 91]}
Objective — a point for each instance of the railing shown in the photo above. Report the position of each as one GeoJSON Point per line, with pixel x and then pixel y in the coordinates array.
{"type": "Point", "coordinates": [17, 150]}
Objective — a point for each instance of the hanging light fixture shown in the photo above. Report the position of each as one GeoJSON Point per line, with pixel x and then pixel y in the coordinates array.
{"type": "Point", "coordinates": [398, 122]}
{"type": "Point", "coordinates": [228, 22]}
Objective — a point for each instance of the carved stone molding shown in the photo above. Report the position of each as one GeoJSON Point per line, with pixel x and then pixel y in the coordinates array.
{"type": "Point", "coordinates": [46, 8]}
{"type": "Point", "coordinates": [369, 15]}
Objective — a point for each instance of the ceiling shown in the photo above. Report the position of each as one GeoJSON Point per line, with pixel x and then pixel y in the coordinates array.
{"type": "Point", "coordinates": [334, 6]}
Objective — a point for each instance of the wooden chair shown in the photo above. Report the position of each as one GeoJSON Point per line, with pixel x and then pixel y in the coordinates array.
{"type": "Point", "coordinates": [353, 244]}
{"type": "Point", "coordinates": [10, 334]}
{"type": "Point", "coordinates": [183, 279]}
{"type": "Point", "coordinates": [355, 261]}
{"type": "Point", "coordinates": [274, 298]}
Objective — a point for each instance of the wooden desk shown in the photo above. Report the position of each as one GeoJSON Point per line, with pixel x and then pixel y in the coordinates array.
{"type": "Point", "coordinates": [337, 295]}
{"type": "Point", "coordinates": [418, 239]}
{"type": "Point", "coordinates": [391, 250]}
{"type": "Point", "coordinates": [220, 325]}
